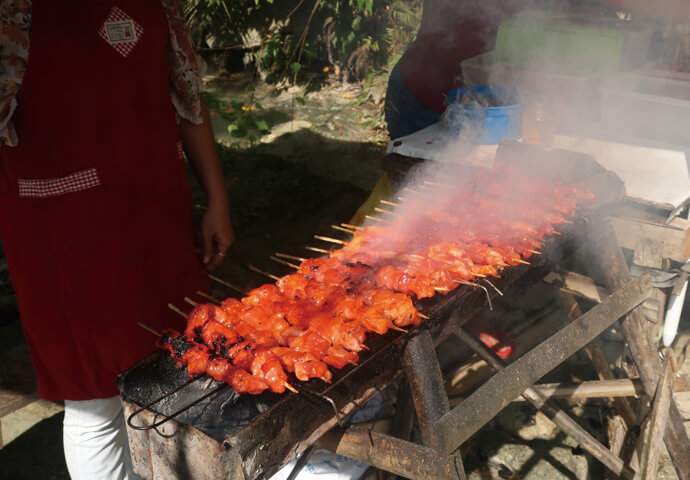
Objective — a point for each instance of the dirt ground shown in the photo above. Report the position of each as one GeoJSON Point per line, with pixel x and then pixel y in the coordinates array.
{"type": "Point", "coordinates": [314, 167]}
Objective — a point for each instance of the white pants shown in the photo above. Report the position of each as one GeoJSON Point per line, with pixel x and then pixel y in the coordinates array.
{"type": "Point", "coordinates": [95, 440]}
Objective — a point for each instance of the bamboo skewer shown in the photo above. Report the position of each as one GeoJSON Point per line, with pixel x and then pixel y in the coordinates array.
{"type": "Point", "coordinates": [523, 262]}
{"type": "Point", "coordinates": [290, 387]}
{"type": "Point", "coordinates": [177, 310]}
{"type": "Point", "coordinates": [386, 202]}
{"type": "Point", "coordinates": [208, 297]}
{"type": "Point", "coordinates": [146, 327]}
{"type": "Point", "coordinates": [536, 252]}
{"type": "Point", "coordinates": [353, 227]}
{"type": "Point", "coordinates": [283, 262]}
{"type": "Point", "coordinates": [229, 285]}
{"type": "Point", "coordinates": [341, 229]}
{"type": "Point", "coordinates": [331, 240]}
{"type": "Point", "coordinates": [381, 210]}
{"type": "Point", "coordinates": [437, 184]}
{"type": "Point", "coordinates": [442, 289]}
{"type": "Point", "coordinates": [423, 316]}
{"type": "Point", "coordinates": [369, 217]}
{"type": "Point", "coordinates": [319, 250]}
{"type": "Point", "coordinates": [190, 301]}
{"type": "Point", "coordinates": [412, 191]}
{"type": "Point", "coordinates": [402, 199]}
{"type": "Point", "coordinates": [291, 257]}
{"type": "Point", "coordinates": [254, 269]}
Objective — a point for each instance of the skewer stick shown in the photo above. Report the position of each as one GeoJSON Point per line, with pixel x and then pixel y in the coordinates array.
{"type": "Point", "coordinates": [442, 289]}
{"type": "Point", "coordinates": [190, 301]}
{"type": "Point", "coordinates": [436, 184]}
{"type": "Point", "coordinates": [290, 387]}
{"type": "Point", "coordinates": [254, 269]}
{"type": "Point", "coordinates": [425, 317]}
{"type": "Point", "coordinates": [555, 232]}
{"type": "Point", "coordinates": [536, 252]}
{"type": "Point", "coordinates": [402, 199]}
{"type": "Point", "coordinates": [291, 257]}
{"type": "Point", "coordinates": [319, 250]}
{"type": "Point", "coordinates": [353, 227]}
{"type": "Point", "coordinates": [423, 187]}
{"type": "Point", "coordinates": [325, 379]}
{"type": "Point", "coordinates": [369, 217]}
{"type": "Point", "coordinates": [177, 310]}
{"type": "Point", "coordinates": [523, 262]}
{"type": "Point", "coordinates": [392, 204]}
{"type": "Point", "coordinates": [283, 262]}
{"type": "Point", "coordinates": [329, 239]}
{"type": "Point", "coordinates": [229, 285]}
{"type": "Point", "coordinates": [494, 287]}
{"type": "Point", "coordinates": [208, 297]}
{"type": "Point", "coordinates": [381, 210]}
{"type": "Point", "coordinates": [567, 221]}
{"type": "Point", "coordinates": [394, 327]}
{"type": "Point", "coordinates": [412, 191]}
{"type": "Point", "coordinates": [152, 330]}
{"type": "Point", "coordinates": [341, 229]}
{"type": "Point", "coordinates": [488, 297]}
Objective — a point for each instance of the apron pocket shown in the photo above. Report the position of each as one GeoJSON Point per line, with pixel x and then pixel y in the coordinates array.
{"type": "Point", "coordinates": [54, 187]}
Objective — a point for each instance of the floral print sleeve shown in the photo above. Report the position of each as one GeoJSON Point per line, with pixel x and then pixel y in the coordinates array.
{"type": "Point", "coordinates": [186, 66]}
{"type": "Point", "coordinates": [15, 22]}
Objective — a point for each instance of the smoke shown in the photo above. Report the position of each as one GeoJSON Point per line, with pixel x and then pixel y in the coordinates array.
{"type": "Point", "coordinates": [555, 61]}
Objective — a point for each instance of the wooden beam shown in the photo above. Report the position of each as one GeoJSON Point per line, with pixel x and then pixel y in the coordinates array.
{"type": "Point", "coordinates": [463, 421]}
{"type": "Point", "coordinates": [604, 249]}
{"type": "Point", "coordinates": [673, 238]}
{"type": "Point", "coordinates": [658, 422]}
{"type": "Point", "coordinates": [555, 414]}
{"type": "Point", "coordinates": [393, 454]}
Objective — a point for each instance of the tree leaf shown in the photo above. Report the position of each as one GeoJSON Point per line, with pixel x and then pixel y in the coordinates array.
{"type": "Point", "coordinates": [261, 124]}
{"type": "Point", "coordinates": [295, 67]}
{"type": "Point", "coordinates": [301, 100]}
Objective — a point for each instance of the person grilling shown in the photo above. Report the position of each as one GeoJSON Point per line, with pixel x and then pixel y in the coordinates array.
{"type": "Point", "coordinates": [99, 104]}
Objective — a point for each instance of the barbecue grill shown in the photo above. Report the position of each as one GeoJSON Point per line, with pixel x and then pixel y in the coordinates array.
{"type": "Point", "coordinates": [200, 428]}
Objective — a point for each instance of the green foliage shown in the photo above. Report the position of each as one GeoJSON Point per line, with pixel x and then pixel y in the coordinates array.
{"type": "Point", "coordinates": [248, 120]}
{"type": "Point", "coordinates": [301, 39]}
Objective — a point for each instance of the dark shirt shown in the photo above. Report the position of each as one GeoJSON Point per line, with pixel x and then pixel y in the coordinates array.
{"type": "Point", "coordinates": [451, 31]}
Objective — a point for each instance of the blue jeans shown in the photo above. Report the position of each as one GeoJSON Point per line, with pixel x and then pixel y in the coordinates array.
{"type": "Point", "coordinates": [404, 114]}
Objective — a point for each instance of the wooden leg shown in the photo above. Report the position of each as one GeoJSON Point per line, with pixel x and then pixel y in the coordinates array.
{"type": "Point", "coordinates": [611, 262]}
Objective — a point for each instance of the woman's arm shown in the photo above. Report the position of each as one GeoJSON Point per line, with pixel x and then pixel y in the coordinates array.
{"type": "Point", "coordinates": [200, 147]}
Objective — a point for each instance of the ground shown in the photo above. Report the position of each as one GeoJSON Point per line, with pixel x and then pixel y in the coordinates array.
{"type": "Point", "coordinates": [316, 163]}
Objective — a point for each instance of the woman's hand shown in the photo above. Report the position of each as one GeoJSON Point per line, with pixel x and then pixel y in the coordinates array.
{"type": "Point", "coordinates": [216, 229]}
{"type": "Point", "coordinates": [216, 234]}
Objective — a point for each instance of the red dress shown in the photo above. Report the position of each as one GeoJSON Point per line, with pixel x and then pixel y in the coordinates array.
{"type": "Point", "coordinates": [95, 203]}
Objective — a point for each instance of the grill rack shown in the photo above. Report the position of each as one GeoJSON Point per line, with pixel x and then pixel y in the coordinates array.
{"type": "Point", "coordinates": [309, 392]}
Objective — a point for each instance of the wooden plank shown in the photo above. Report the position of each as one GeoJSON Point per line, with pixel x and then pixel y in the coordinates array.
{"type": "Point", "coordinates": [604, 249]}
{"type": "Point", "coordinates": [598, 359]}
{"type": "Point", "coordinates": [12, 401]}
{"type": "Point", "coordinates": [648, 253]}
{"type": "Point", "coordinates": [584, 287]}
{"type": "Point", "coordinates": [463, 421]}
{"type": "Point", "coordinates": [577, 284]}
{"type": "Point", "coordinates": [673, 238]}
{"type": "Point", "coordinates": [555, 414]}
{"type": "Point", "coordinates": [658, 422]}
{"type": "Point", "coordinates": [393, 455]}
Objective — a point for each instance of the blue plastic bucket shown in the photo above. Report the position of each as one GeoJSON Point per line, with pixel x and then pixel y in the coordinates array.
{"type": "Point", "coordinates": [491, 123]}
